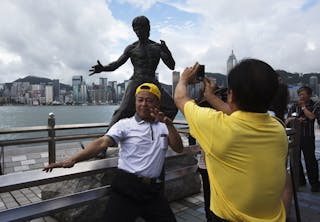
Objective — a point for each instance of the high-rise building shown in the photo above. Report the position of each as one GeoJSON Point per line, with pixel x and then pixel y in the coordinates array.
{"type": "Point", "coordinates": [56, 90]}
{"type": "Point", "coordinates": [77, 81]}
{"type": "Point", "coordinates": [175, 80]}
{"type": "Point", "coordinates": [49, 94]}
{"type": "Point", "coordinates": [103, 82]}
{"type": "Point", "coordinates": [231, 62]}
{"type": "Point", "coordinates": [313, 83]}
{"type": "Point", "coordinates": [112, 92]}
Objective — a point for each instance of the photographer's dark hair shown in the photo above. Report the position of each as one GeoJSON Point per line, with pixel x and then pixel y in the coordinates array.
{"type": "Point", "coordinates": [279, 104]}
{"type": "Point", "coordinates": [254, 84]}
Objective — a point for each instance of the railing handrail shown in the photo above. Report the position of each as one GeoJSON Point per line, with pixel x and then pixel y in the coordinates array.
{"type": "Point", "coordinates": [30, 129]}
{"type": "Point", "coordinates": [52, 138]}
{"type": "Point", "coordinates": [10, 142]}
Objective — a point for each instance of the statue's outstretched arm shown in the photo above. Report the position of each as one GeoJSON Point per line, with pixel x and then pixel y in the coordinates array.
{"type": "Point", "coordinates": [111, 66]}
{"type": "Point", "coordinates": [166, 55]}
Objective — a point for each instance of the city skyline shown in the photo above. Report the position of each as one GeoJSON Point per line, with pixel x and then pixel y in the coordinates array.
{"type": "Point", "coordinates": [59, 39]}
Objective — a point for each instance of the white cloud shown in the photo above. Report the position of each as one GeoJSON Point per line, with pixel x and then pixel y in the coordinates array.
{"type": "Point", "coordinates": [58, 39]}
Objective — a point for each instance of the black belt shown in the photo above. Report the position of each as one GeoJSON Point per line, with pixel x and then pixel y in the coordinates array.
{"type": "Point", "coordinates": [148, 180]}
{"type": "Point", "coordinates": [143, 179]}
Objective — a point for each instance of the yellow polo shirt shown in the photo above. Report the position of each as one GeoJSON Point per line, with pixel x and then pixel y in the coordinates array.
{"type": "Point", "coordinates": [245, 157]}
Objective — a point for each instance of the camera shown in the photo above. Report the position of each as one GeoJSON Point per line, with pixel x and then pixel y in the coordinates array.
{"type": "Point", "coordinates": [200, 73]}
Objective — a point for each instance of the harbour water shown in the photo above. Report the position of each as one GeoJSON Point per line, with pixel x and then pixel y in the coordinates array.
{"type": "Point", "coordinates": [25, 116]}
{"type": "Point", "coordinates": [21, 116]}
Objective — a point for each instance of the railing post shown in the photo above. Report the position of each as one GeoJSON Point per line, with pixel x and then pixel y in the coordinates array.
{"type": "Point", "coordinates": [51, 135]}
{"type": "Point", "coordinates": [1, 161]}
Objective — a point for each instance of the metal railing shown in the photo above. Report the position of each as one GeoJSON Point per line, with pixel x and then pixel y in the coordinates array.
{"type": "Point", "coordinates": [51, 128]}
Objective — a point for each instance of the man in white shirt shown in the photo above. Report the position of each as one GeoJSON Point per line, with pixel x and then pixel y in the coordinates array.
{"type": "Point", "coordinates": [137, 188]}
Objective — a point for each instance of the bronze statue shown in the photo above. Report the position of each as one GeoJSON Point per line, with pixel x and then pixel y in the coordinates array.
{"type": "Point", "coordinates": [145, 56]}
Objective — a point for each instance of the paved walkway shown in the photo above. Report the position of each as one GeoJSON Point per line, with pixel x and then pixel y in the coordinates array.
{"type": "Point", "coordinates": [189, 209]}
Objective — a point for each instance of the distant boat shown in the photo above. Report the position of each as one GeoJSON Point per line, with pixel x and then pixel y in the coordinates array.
{"type": "Point", "coordinates": [56, 103]}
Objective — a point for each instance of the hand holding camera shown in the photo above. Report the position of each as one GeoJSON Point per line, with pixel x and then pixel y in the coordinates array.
{"type": "Point", "coordinates": [194, 74]}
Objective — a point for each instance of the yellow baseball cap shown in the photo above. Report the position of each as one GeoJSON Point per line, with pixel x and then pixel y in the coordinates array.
{"type": "Point", "coordinates": [149, 87]}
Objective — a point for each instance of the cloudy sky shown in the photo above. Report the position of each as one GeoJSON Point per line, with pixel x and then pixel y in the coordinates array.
{"type": "Point", "coordinates": [62, 38]}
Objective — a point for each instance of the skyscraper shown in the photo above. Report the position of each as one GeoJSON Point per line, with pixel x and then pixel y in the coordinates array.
{"type": "Point", "coordinates": [76, 88]}
{"type": "Point", "coordinates": [49, 94]}
{"type": "Point", "coordinates": [313, 82]}
{"type": "Point", "coordinates": [56, 90]}
{"type": "Point", "coordinates": [231, 62]}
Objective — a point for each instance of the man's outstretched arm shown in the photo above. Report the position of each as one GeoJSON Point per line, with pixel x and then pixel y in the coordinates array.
{"type": "Point", "coordinates": [88, 152]}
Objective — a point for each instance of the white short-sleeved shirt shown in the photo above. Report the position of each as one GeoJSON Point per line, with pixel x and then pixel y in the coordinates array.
{"type": "Point", "coordinates": [143, 145]}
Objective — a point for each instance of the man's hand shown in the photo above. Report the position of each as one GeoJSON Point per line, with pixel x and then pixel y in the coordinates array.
{"type": "Point", "coordinates": [209, 87]}
{"type": "Point", "coordinates": [68, 163]}
{"type": "Point", "coordinates": [189, 74]}
{"type": "Point", "coordinates": [96, 68]}
{"type": "Point", "coordinates": [159, 116]}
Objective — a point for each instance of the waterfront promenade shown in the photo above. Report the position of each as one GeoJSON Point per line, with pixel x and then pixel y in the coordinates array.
{"type": "Point", "coordinates": [189, 209]}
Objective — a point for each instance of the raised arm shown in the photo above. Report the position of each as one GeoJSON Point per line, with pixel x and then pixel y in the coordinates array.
{"type": "Point", "coordinates": [166, 55]}
{"type": "Point", "coordinates": [113, 65]}
{"type": "Point", "coordinates": [181, 95]}
{"type": "Point", "coordinates": [88, 152]}
{"type": "Point", "coordinates": [175, 140]}
{"type": "Point", "coordinates": [214, 100]}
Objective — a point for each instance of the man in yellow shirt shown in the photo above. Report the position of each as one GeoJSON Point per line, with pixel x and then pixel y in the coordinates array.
{"type": "Point", "coordinates": [245, 148]}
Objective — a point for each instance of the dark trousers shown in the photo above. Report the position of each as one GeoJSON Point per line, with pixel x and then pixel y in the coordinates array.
{"type": "Point", "coordinates": [127, 106]}
{"type": "Point", "coordinates": [307, 145]}
{"type": "Point", "coordinates": [206, 192]}
{"type": "Point", "coordinates": [131, 198]}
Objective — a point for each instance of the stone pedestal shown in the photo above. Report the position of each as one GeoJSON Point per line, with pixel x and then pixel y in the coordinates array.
{"type": "Point", "coordinates": [175, 189]}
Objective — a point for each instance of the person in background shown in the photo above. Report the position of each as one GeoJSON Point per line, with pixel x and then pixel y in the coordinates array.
{"type": "Point", "coordinates": [245, 148]}
{"type": "Point", "coordinates": [137, 188]}
{"type": "Point", "coordinates": [306, 112]}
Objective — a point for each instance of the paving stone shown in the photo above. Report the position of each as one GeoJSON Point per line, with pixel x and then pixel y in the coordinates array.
{"type": "Point", "coordinates": [13, 164]}
{"type": "Point", "coordinates": [11, 204]}
{"type": "Point", "coordinates": [8, 199]}
{"type": "Point", "coordinates": [33, 156]}
{"type": "Point", "coordinates": [44, 155]}
{"type": "Point", "coordinates": [50, 219]}
{"type": "Point", "coordinates": [38, 220]}
{"type": "Point", "coordinates": [4, 195]}
{"type": "Point", "coordinates": [28, 162]}
{"type": "Point", "coordinates": [8, 170]}
{"type": "Point", "coordinates": [36, 166]}
{"type": "Point", "coordinates": [21, 168]}
{"type": "Point", "coordinates": [192, 200]}
{"type": "Point", "coordinates": [19, 158]}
